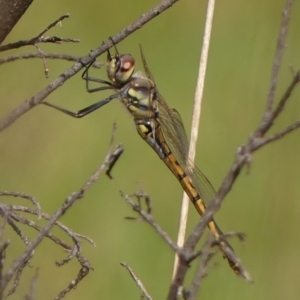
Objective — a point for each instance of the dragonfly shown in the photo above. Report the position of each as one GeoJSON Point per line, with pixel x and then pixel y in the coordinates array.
{"type": "Point", "coordinates": [161, 127]}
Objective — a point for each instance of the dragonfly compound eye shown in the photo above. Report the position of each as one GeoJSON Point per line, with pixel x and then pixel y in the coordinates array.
{"type": "Point", "coordinates": [125, 68]}
{"type": "Point", "coordinates": [120, 68]}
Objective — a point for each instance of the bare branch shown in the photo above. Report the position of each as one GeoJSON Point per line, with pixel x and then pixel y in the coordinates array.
{"type": "Point", "coordinates": [25, 221]}
{"type": "Point", "coordinates": [3, 247]}
{"type": "Point", "coordinates": [25, 196]}
{"type": "Point", "coordinates": [276, 136]}
{"type": "Point", "coordinates": [188, 254]}
{"type": "Point", "coordinates": [84, 271]}
{"type": "Point", "coordinates": [149, 219]}
{"type": "Point", "coordinates": [46, 69]}
{"type": "Point", "coordinates": [18, 275]}
{"type": "Point", "coordinates": [47, 217]}
{"type": "Point", "coordinates": [58, 21]}
{"type": "Point", "coordinates": [67, 57]}
{"type": "Point", "coordinates": [277, 61]}
{"type": "Point", "coordinates": [39, 38]}
{"type": "Point", "coordinates": [283, 100]}
{"type": "Point", "coordinates": [201, 272]}
{"type": "Point", "coordinates": [137, 281]}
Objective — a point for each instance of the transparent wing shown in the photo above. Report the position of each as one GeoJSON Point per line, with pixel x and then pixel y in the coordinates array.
{"type": "Point", "coordinates": [176, 138]}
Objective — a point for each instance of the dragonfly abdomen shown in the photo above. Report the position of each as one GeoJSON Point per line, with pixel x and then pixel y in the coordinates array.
{"type": "Point", "coordinates": [183, 178]}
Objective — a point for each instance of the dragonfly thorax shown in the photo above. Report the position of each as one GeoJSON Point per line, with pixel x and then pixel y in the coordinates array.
{"type": "Point", "coordinates": [120, 68]}
{"type": "Point", "coordinates": [137, 97]}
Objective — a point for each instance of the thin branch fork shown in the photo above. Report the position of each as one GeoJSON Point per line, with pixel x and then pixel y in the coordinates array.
{"type": "Point", "coordinates": [185, 254]}
{"type": "Point", "coordinates": [40, 38]}
{"type": "Point", "coordinates": [25, 256]}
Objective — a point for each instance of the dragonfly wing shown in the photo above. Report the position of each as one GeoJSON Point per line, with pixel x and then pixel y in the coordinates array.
{"type": "Point", "coordinates": [176, 138]}
{"type": "Point", "coordinates": [146, 68]}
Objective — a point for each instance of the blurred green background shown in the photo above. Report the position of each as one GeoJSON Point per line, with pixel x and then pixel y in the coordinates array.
{"type": "Point", "coordinates": [50, 155]}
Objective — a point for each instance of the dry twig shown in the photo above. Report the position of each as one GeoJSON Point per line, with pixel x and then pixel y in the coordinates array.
{"type": "Point", "coordinates": [137, 281]}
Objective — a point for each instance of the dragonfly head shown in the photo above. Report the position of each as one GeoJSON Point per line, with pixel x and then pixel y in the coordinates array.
{"type": "Point", "coordinates": [119, 68]}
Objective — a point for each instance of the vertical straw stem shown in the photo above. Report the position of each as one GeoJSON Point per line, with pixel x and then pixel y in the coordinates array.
{"type": "Point", "coordinates": [195, 120]}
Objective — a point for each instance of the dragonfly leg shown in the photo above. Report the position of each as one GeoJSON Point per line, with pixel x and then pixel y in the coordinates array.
{"type": "Point", "coordinates": [85, 76]}
{"type": "Point", "coordinates": [152, 142]}
{"type": "Point", "coordinates": [82, 112]}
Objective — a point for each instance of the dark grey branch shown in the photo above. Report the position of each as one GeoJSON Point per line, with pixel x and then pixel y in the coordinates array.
{"type": "Point", "coordinates": [10, 13]}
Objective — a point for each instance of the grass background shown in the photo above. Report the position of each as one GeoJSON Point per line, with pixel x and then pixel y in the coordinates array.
{"type": "Point", "coordinates": [49, 155]}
